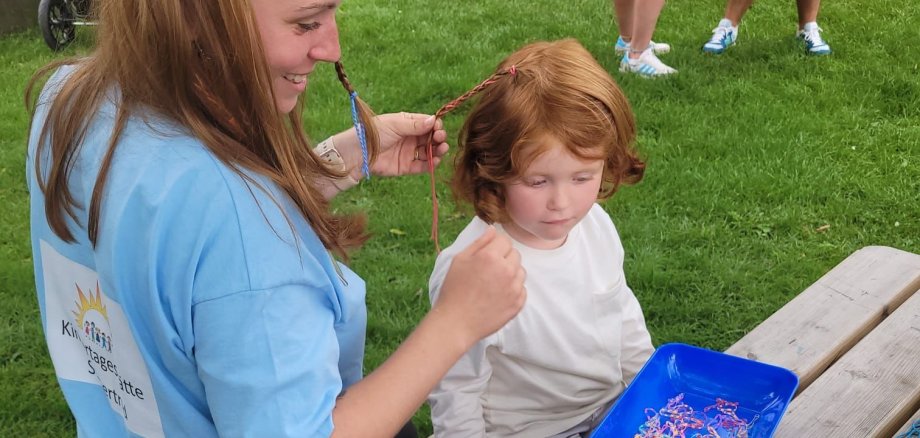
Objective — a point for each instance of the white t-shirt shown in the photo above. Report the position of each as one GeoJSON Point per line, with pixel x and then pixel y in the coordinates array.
{"type": "Point", "coordinates": [579, 339]}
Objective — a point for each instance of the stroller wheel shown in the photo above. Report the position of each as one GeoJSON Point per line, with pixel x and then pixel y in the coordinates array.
{"type": "Point", "coordinates": [56, 22]}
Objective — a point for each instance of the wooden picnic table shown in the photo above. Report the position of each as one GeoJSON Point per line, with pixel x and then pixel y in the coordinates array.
{"type": "Point", "coordinates": [853, 338]}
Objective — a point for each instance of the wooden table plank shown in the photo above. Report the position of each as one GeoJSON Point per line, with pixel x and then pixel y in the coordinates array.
{"type": "Point", "coordinates": [870, 391]}
{"type": "Point", "coordinates": [909, 424]}
{"type": "Point", "coordinates": [811, 331]}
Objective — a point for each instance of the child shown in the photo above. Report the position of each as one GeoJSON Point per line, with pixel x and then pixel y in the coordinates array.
{"type": "Point", "coordinates": [550, 136]}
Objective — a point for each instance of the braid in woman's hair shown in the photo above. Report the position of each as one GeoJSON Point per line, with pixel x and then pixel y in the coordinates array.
{"type": "Point", "coordinates": [363, 119]}
{"type": "Point", "coordinates": [450, 106]}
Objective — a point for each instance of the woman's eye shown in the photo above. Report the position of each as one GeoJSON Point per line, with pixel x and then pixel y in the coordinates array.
{"type": "Point", "coordinates": [306, 27]}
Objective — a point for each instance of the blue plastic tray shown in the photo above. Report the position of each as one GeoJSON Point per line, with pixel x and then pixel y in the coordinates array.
{"type": "Point", "coordinates": [702, 375]}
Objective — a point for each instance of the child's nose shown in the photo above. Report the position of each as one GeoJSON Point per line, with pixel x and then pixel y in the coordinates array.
{"type": "Point", "coordinates": [559, 199]}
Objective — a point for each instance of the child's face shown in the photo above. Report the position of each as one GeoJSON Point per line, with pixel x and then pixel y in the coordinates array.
{"type": "Point", "coordinates": [296, 34]}
{"type": "Point", "coordinates": [552, 196]}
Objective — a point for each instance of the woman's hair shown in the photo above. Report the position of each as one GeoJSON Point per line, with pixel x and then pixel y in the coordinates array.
{"type": "Point", "coordinates": [201, 65]}
{"type": "Point", "coordinates": [552, 89]}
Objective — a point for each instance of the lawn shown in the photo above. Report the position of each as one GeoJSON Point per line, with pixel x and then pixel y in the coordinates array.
{"type": "Point", "coordinates": [766, 167]}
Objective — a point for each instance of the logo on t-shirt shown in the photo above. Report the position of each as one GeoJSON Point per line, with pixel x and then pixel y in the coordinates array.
{"type": "Point", "coordinates": [90, 341]}
{"type": "Point", "coordinates": [93, 317]}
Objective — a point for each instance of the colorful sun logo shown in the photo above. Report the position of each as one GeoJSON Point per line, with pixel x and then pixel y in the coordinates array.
{"type": "Point", "coordinates": [93, 318]}
{"type": "Point", "coordinates": [94, 303]}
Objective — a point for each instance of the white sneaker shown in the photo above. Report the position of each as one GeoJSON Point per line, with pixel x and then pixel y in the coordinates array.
{"type": "Point", "coordinates": [647, 65]}
{"type": "Point", "coordinates": [723, 37]}
{"type": "Point", "coordinates": [659, 48]}
{"type": "Point", "coordinates": [811, 37]}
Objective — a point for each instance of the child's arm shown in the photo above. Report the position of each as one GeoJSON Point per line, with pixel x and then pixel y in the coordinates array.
{"type": "Point", "coordinates": [456, 409]}
{"type": "Point", "coordinates": [636, 342]}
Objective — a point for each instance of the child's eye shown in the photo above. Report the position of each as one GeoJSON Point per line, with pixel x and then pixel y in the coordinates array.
{"type": "Point", "coordinates": [582, 179]}
{"type": "Point", "coordinates": [536, 182]}
{"type": "Point", "coordinates": [307, 27]}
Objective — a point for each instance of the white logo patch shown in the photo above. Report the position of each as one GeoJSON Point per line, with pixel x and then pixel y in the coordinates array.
{"type": "Point", "coordinates": [90, 341]}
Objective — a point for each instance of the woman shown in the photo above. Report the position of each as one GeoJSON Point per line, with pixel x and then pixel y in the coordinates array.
{"type": "Point", "coordinates": [177, 205]}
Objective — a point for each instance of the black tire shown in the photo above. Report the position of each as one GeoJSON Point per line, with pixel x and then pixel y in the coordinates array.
{"type": "Point", "coordinates": [56, 23]}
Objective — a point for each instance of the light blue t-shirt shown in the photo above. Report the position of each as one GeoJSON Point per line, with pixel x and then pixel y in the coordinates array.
{"type": "Point", "coordinates": [201, 311]}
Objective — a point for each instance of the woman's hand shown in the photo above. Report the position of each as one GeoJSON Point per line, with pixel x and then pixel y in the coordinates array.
{"type": "Point", "coordinates": [484, 287]}
{"type": "Point", "coordinates": [403, 142]}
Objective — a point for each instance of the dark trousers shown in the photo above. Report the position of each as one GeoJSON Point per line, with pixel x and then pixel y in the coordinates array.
{"type": "Point", "coordinates": [408, 431]}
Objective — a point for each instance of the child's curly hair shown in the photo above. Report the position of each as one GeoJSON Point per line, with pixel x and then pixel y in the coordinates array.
{"type": "Point", "coordinates": [558, 89]}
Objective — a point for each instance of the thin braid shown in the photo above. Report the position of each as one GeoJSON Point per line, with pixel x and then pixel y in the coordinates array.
{"type": "Point", "coordinates": [343, 78]}
{"type": "Point", "coordinates": [370, 145]}
{"type": "Point", "coordinates": [450, 106]}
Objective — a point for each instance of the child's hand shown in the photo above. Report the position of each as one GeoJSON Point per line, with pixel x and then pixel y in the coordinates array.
{"type": "Point", "coordinates": [484, 287]}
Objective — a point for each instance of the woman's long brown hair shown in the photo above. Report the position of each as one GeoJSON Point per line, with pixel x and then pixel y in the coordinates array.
{"type": "Point", "coordinates": [201, 65]}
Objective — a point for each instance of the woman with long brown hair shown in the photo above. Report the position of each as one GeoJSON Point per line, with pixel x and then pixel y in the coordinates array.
{"type": "Point", "coordinates": [178, 207]}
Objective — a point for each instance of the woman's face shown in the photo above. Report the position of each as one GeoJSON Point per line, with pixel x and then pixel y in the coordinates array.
{"type": "Point", "coordinates": [296, 34]}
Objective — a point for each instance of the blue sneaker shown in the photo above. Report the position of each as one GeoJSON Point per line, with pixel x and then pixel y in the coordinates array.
{"type": "Point", "coordinates": [622, 47]}
{"type": "Point", "coordinates": [647, 65]}
{"type": "Point", "coordinates": [811, 37]}
{"type": "Point", "coordinates": [723, 37]}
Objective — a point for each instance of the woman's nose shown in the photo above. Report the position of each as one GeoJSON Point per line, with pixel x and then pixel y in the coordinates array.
{"type": "Point", "coordinates": [327, 48]}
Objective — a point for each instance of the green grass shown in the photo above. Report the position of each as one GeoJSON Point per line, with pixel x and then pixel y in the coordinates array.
{"type": "Point", "coordinates": [749, 153]}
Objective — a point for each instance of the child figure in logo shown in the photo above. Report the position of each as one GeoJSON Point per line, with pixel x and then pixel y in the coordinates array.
{"type": "Point", "coordinates": [547, 140]}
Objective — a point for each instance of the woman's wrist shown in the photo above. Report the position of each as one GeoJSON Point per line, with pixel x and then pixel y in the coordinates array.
{"type": "Point", "coordinates": [350, 151]}
{"type": "Point", "coordinates": [452, 329]}
{"type": "Point", "coordinates": [328, 152]}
